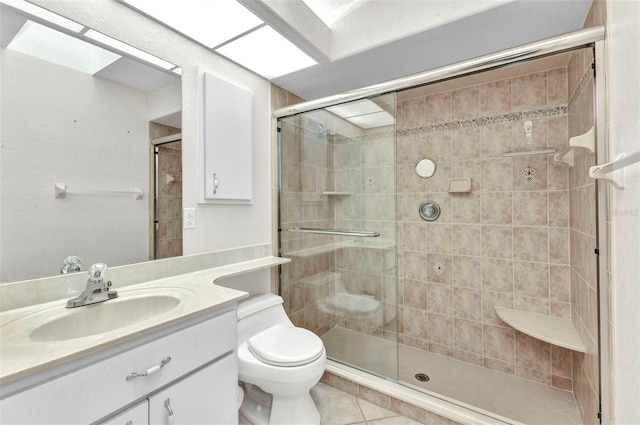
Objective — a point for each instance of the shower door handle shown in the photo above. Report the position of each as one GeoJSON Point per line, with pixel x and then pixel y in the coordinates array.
{"type": "Point", "coordinates": [215, 183]}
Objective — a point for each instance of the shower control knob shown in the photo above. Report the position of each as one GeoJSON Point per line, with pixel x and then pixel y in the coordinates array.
{"type": "Point", "coordinates": [429, 210]}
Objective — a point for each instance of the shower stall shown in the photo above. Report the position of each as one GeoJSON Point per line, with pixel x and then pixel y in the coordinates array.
{"type": "Point", "coordinates": [436, 224]}
{"type": "Point", "coordinates": [166, 209]}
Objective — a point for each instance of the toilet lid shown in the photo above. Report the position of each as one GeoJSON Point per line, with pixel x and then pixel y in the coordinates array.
{"type": "Point", "coordinates": [286, 346]}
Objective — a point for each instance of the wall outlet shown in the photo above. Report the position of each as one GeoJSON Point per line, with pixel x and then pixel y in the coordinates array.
{"type": "Point", "coordinates": [189, 218]}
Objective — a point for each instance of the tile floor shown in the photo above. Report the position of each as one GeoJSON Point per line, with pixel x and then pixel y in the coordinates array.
{"type": "Point", "coordinates": [339, 408]}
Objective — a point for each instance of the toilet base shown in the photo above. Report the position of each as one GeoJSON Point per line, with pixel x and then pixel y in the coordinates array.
{"type": "Point", "coordinates": [285, 410]}
{"type": "Point", "coordinates": [256, 413]}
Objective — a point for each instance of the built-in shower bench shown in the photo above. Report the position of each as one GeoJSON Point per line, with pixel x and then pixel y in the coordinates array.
{"type": "Point", "coordinates": [554, 330]}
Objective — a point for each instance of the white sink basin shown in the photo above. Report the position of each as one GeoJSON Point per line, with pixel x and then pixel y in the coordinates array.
{"type": "Point", "coordinates": [103, 317]}
{"type": "Point", "coordinates": [131, 307]}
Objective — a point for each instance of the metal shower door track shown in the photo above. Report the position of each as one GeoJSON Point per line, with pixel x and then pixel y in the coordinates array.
{"type": "Point", "coordinates": [549, 46]}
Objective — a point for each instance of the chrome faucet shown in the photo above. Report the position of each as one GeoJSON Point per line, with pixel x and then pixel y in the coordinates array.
{"type": "Point", "coordinates": [97, 289]}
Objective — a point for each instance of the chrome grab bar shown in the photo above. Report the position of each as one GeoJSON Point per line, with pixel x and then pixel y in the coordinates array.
{"type": "Point", "coordinates": [337, 232]}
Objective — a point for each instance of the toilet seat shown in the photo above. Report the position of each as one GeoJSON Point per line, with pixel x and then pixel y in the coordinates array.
{"type": "Point", "coordinates": [284, 346]}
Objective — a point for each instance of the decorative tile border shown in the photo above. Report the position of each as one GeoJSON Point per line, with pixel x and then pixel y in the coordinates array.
{"type": "Point", "coordinates": [483, 121]}
{"type": "Point", "coordinates": [553, 111]}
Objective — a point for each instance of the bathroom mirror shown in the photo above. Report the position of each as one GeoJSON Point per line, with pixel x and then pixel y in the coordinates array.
{"type": "Point", "coordinates": [86, 124]}
{"type": "Point", "coordinates": [425, 168]}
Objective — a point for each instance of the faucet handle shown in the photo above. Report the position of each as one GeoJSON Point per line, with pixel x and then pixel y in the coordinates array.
{"type": "Point", "coordinates": [97, 272]}
{"type": "Point", "coordinates": [71, 264]}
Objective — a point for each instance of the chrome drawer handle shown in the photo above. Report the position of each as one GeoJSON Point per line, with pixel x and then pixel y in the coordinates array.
{"type": "Point", "coordinates": [151, 370]}
{"type": "Point", "coordinates": [170, 417]}
{"type": "Point", "coordinates": [215, 183]}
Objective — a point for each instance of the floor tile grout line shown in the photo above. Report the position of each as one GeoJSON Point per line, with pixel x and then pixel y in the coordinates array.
{"type": "Point", "coordinates": [367, 420]}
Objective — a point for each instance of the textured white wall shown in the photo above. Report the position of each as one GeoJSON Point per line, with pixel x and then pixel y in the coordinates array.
{"type": "Point", "coordinates": [65, 126]}
{"type": "Point", "coordinates": [218, 226]}
{"type": "Point", "coordinates": [624, 120]}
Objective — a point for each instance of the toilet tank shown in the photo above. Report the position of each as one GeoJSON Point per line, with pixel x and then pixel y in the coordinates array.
{"type": "Point", "coordinates": [260, 312]}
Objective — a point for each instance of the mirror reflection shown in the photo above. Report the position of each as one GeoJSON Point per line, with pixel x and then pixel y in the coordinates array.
{"type": "Point", "coordinates": [425, 168]}
{"type": "Point", "coordinates": [81, 109]}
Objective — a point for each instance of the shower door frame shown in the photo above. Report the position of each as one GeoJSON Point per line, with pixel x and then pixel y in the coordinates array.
{"type": "Point", "coordinates": [593, 38]}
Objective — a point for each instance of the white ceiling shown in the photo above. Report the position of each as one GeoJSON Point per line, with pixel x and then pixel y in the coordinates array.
{"type": "Point", "coordinates": [358, 43]}
{"type": "Point", "coordinates": [363, 42]}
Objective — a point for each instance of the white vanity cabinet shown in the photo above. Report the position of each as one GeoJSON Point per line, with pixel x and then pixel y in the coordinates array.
{"type": "Point", "coordinates": [137, 415]}
{"type": "Point", "coordinates": [199, 376]}
{"type": "Point", "coordinates": [195, 400]}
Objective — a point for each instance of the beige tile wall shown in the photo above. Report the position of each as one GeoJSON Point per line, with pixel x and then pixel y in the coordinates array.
{"type": "Point", "coordinates": [582, 201]}
{"type": "Point", "coordinates": [331, 278]}
{"type": "Point", "coordinates": [366, 269]}
{"type": "Point", "coordinates": [506, 243]}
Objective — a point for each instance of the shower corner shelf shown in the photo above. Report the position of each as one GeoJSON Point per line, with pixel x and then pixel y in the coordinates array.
{"type": "Point", "coordinates": [554, 330]}
{"type": "Point", "coordinates": [585, 141]}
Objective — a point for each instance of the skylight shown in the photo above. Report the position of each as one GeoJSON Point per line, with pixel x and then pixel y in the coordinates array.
{"type": "Point", "coordinates": [123, 47]}
{"type": "Point", "coordinates": [330, 11]}
{"type": "Point", "coordinates": [61, 48]}
{"type": "Point", "coordinates": [267, 53]}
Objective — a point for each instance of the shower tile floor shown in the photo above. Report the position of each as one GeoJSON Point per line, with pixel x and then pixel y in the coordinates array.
{"type": "Point", "coordinates": [499, 393]}
{"type": "Point", "coordinates": [339, 408]}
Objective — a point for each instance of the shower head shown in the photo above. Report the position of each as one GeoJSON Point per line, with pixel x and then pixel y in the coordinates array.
{"type": "Point", "coordinates": [318, 128]}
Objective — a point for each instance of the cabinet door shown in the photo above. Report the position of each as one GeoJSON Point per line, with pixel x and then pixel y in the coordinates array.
{"type": "Point", "coordinates": [208, 396]}
{"type": "Point", "coordinates": [137, 415]}
{"type": "Point", "coordinates": [227, 142]}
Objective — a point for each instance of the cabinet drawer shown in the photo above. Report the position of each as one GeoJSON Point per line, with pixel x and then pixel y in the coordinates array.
{"type": "Point", "coordinates": [138, 415]}
{"type": "Point", "coordinates": [89, 394]}
{"type": "Point", "coordinates": [206, 397]}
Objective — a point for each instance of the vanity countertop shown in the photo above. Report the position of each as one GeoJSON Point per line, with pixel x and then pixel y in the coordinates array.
{"type": "Point", "coordinates": [21, 356]}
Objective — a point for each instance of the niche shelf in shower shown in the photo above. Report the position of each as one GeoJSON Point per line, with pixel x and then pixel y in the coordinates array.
{"type": "Point", "coordinates": [554, 330]}
{"type": "Point", "coordinates": [337, 193]}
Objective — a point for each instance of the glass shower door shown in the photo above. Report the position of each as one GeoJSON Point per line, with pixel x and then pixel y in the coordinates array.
{"type": "Point", "coordinates": [337, 211]}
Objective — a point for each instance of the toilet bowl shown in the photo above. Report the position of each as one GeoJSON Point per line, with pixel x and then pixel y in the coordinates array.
{"type": "Point", "coordinates": [278, 364]}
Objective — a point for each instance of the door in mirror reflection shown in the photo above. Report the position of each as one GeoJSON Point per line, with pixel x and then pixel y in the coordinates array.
{"type": "Point", "coordinates": [167, 220]}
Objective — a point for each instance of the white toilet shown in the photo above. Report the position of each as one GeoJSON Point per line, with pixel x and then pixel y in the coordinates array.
{"type": "Point", "coordinates": [278, 364]}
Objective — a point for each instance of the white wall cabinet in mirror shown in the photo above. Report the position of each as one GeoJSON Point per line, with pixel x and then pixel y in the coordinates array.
{"type": "Point", "coordinates": [225, 138]}
{"type": "Point", "coordinates": [425, 168]}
